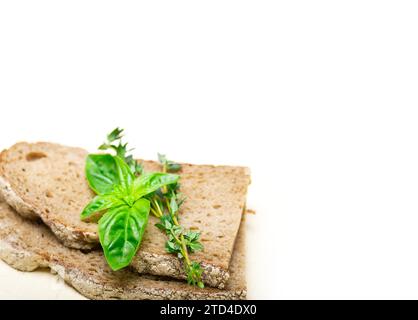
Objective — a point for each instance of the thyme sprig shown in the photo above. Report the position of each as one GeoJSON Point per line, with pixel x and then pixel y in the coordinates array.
{"type": "Point", "coordinates": [165, 205]}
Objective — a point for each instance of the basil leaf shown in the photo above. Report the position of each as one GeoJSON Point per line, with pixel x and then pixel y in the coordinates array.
{"type": "Point", "coordinates": [150, 182]}
{"type": "Point", "coordinates": [100, 203]}
{"type": "Point", "coordinates": [101, 173]}
{"type": "Point", "coordinates": [124, 172]}
{"type": "Point", "coordinates": [121, 230]}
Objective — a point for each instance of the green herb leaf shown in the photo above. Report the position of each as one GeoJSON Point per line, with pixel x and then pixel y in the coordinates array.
{"type": "Point", "coordinates": [101, 173]}
{"type": "Point", "coordinates": [172, 247]}
{"type": "Point", "coordinates": [165, 224]}
{"type": "Point", "coordinates": [120, 232]}
{"type": "Point", "coordinates": [125, 175]}
{"type": "Point", "coordinates": [174, 208]}
{"type": "Point", "coordinates": [150, 182]}
{"type": "Point", "coordinates": [134, 165]}
{"type": "Point", "coordinates": [162, 158]}
{"type": "Point", "coordinates": [173, 167]}
{"type": "Point", "coordinates": [116, 134]}
{"type": "Point", "coordinates": [114, 142]}
{"type": "Point", "coordinates": [192, 236]}
{"type": "Point", "coordinates": [98, 204]}
{"type": "Point", "coordinates": [169, 166]}
{"type": "Point", "coordinates": [194, 274]}
{"type": "Point", "coordinates": [192, 241]}
{"type": "Point", "coordinates": [194, 246]}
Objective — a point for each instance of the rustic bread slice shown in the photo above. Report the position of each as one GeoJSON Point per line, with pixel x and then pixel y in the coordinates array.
{"type": "Point", "coordinates": [28, 245]}
{"type": "Point", "coordinates": [48, 180]}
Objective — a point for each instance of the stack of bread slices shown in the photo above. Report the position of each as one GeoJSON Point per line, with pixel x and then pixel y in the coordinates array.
{"type": "Point", "coordinates": [43, 190]}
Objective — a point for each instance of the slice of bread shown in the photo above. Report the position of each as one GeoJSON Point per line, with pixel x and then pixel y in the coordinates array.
{"type": "Point", "coordinates": [28, 245]}
{"type": "Point", "coordinates": [48, 181]}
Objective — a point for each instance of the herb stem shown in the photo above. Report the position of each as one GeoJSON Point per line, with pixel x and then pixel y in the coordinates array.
{"type": "Point", "coordinates": [176, 222]}
{"type": "Point", "coordinates": [181, 242]}
{"type": "Point", "coordinates": [160, 213]}
{"type": "Point", "coordinates": [164, 188]}
{"type": "Point", "coordinates": [185, 253]}
{"type": "Point", "coordinates": [155, 213]}
{"type": "Point", "coordinates": [175, 237]}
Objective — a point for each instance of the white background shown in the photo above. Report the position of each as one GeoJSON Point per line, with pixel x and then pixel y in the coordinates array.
{"type": "Point", "coordinates": [319, 98]}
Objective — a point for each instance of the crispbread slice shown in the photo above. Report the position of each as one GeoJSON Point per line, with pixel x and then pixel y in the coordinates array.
{"type": "Point", "coordinates": [28, 245]}
{"type": "Point", "coordinates": [48, 180]}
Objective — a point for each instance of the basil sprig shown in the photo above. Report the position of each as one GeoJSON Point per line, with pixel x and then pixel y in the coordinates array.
{"type": "Point", "coordinates": [125, 197]}
{"type": "Point", "coordinates": [121, 195]}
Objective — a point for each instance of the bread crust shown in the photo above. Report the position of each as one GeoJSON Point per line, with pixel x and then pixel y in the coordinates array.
{"type": "Point", "coordinates": [15, 201]}
{"type": "Point", "coordinates": [27, 245]}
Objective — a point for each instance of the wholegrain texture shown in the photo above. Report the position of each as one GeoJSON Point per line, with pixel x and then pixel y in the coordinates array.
{"type": "Point", "coordinates": [28, 245]}
{"type": "Point", "coordinates": [47, 180]}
